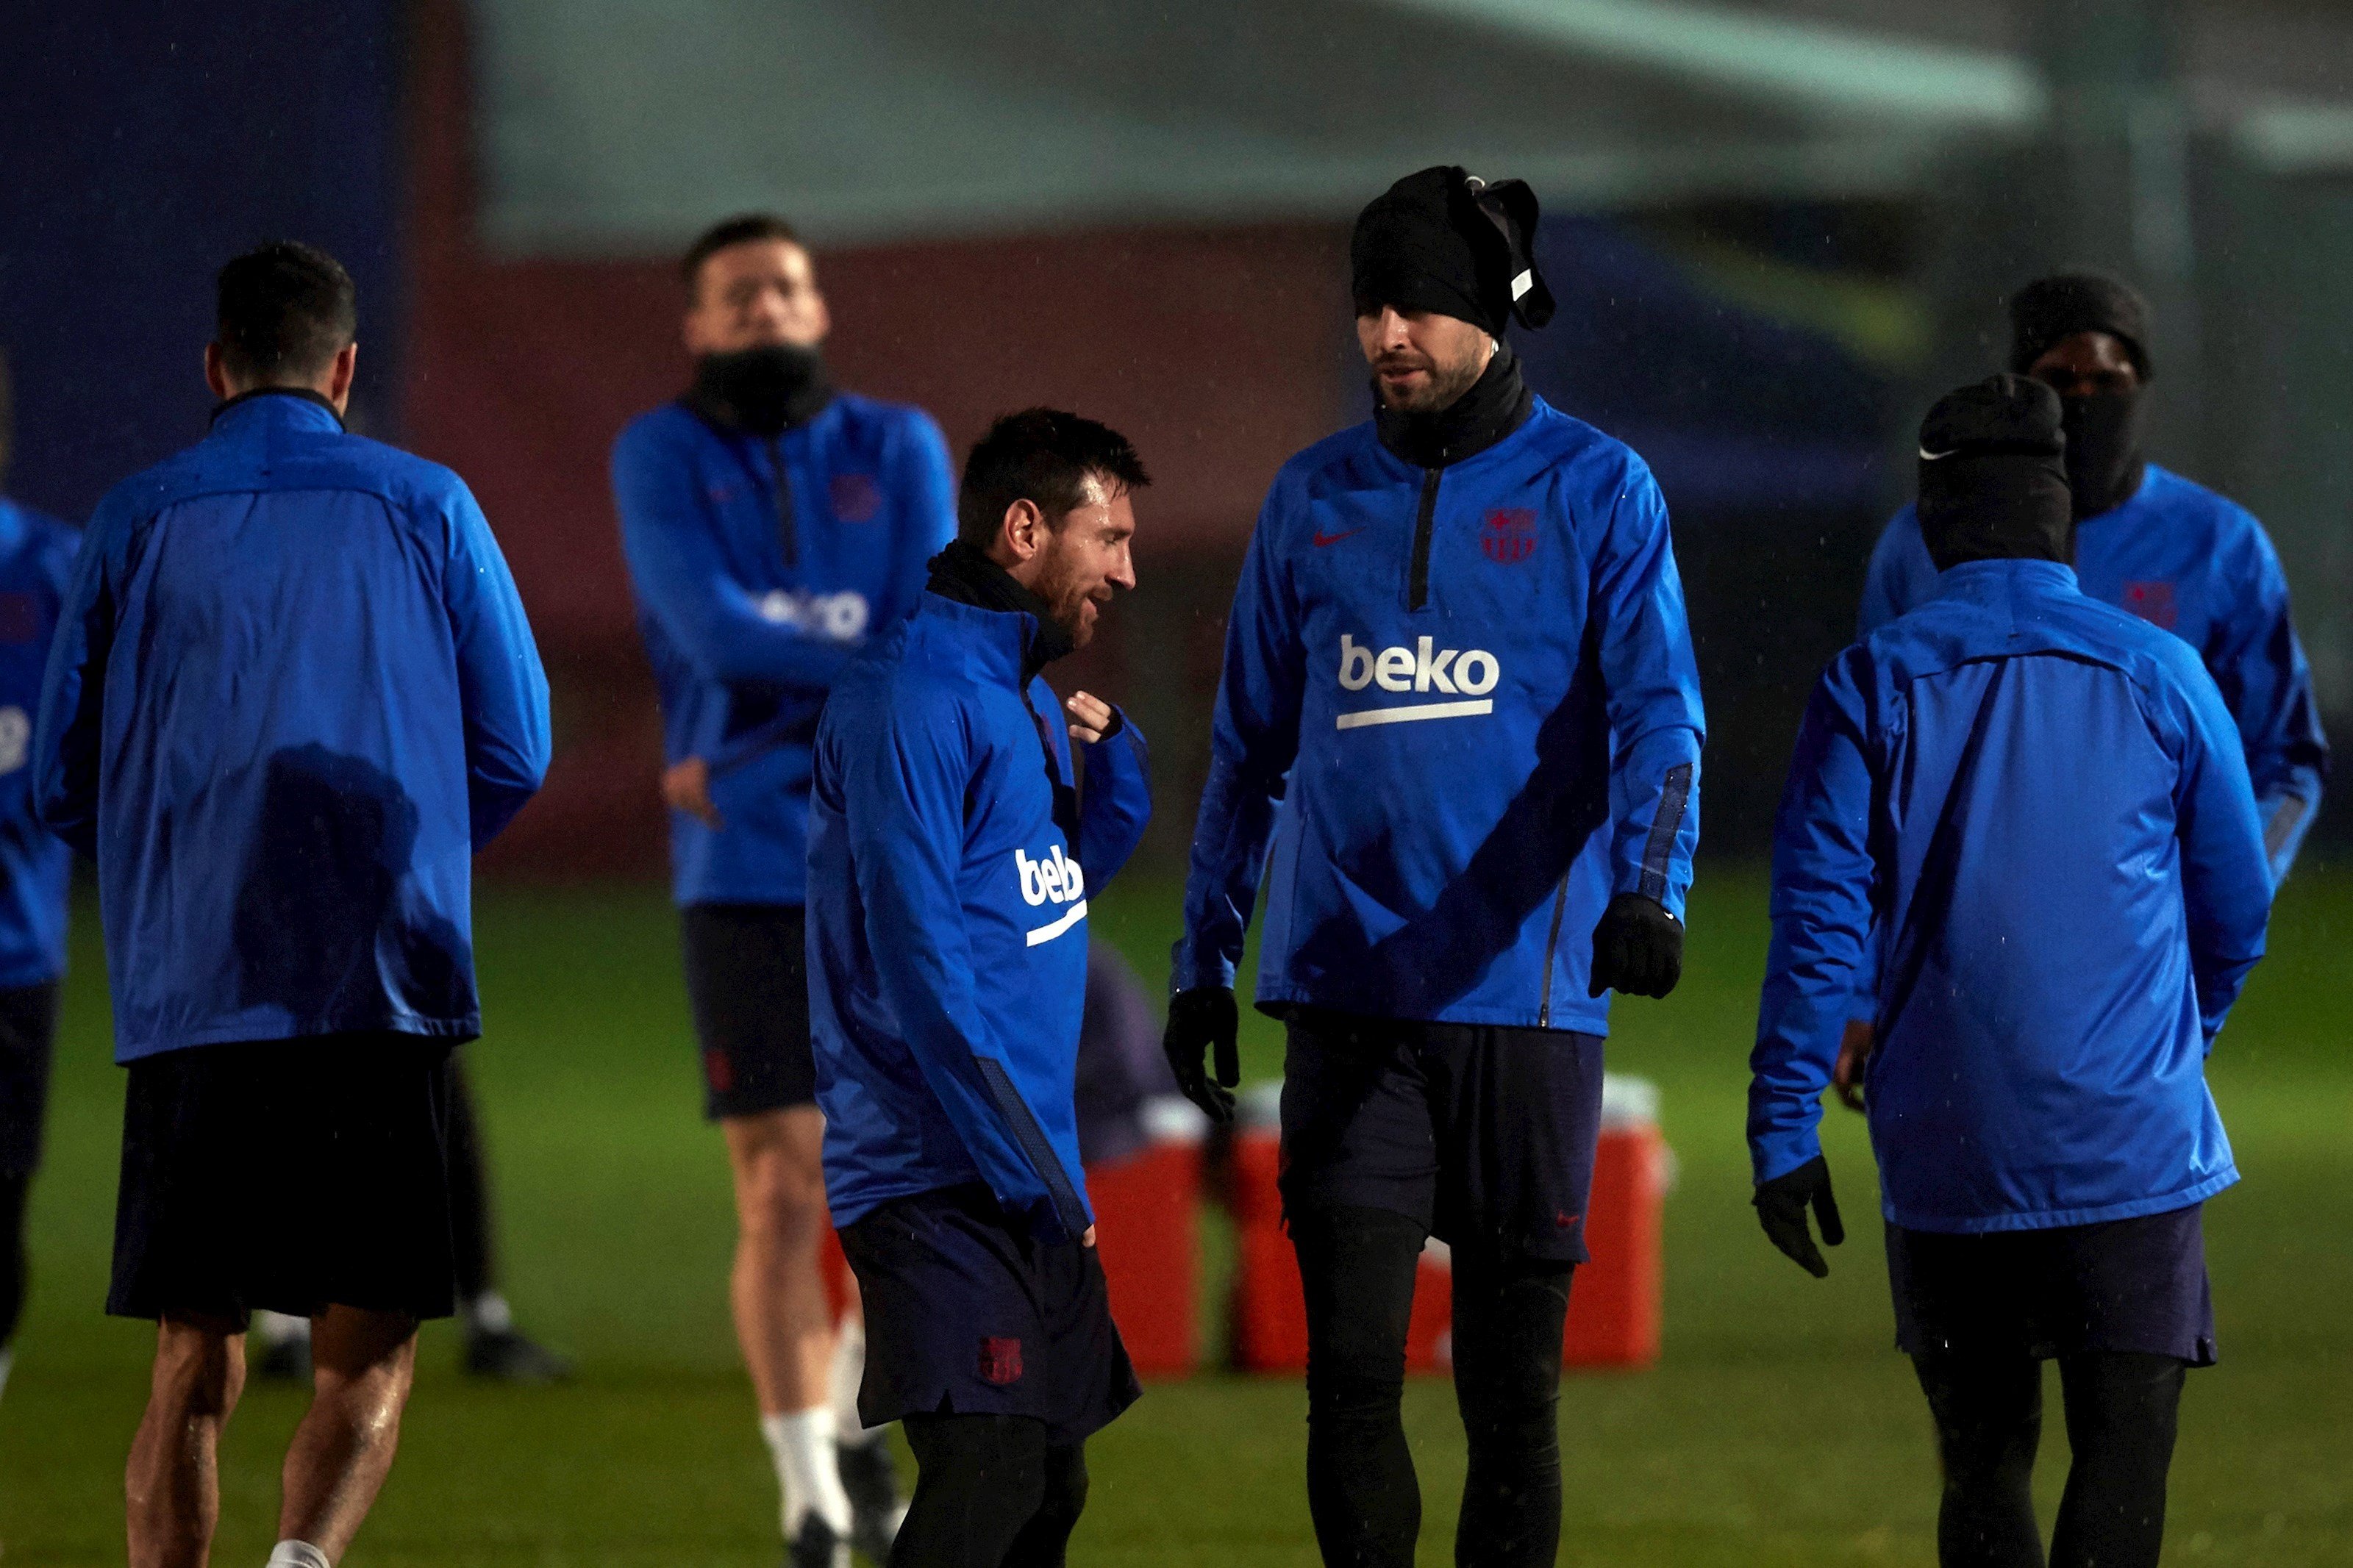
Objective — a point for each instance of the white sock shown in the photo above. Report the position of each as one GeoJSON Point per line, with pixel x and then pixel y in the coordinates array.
{"type": "Point", "coordinates": [298, 1554]}
{"type": "Point", "coordinates": [7, 1361]}
{"type": "Point", "coordinates": [278, 1329]}
{"type": "Point", "coordinates": [849, 1371]}
{"type": "Point", "coordinates": [801, 1442]}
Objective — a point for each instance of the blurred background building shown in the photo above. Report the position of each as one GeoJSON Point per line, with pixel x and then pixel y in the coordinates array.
{"type": "Point", "coordinates": [1777, 227]}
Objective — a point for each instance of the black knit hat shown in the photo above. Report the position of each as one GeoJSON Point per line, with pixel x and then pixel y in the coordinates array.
{"type": "Point", "coordinates": [2051, 309]}
{"type": "Point", "coordinates": [1445, 241]}
{"type": "Point", "coordinates": [1993, 475]}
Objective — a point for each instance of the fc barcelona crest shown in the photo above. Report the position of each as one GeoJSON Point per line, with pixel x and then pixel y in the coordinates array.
{"type": "Point", "coordinates": [1510, 536]}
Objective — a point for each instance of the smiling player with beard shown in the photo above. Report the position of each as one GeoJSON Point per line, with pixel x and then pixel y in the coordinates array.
{"type": "Point", "coordinates": [771, 525]}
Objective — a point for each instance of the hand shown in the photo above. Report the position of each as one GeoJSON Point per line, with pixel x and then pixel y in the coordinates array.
{"type": "Point", "coordinates": [1087, 1239]}
{"type": "Point", "coordinates": [1091, 718]}
{"type": "Point", "coordinates": [1781, 1210]}
{"type": "Point", "coordinates": [1638, 948]}
{"type": "Point", "coordinates": [686, 787]}
{"type": "Point", "coordinates": [1196, 1019]}
{"type": "Point", "coordinates": [1854, 1055]}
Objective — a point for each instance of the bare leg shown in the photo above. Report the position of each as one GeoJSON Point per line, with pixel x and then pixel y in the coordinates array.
{"type": "Point", "coordinates": [172, 1485]}
{"type": "Point", "coordinates": [781, 1318]}
{"type": "Point", "coordinates": [362, 1366]}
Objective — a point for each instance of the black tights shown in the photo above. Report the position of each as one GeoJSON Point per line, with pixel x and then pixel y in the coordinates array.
{"type": "Point", "coordinates": [1358, 1265]}
{"type": "Point", "coordinates": [470, 1192]}
{"type": "Point", "coordinates": [990, 1492]}
{"type": "Point", "coordinates": [13, 1190]}
{"type": "Point", "coordinates": [2120, 1411]}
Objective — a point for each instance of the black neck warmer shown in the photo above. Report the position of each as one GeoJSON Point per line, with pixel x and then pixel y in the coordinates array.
{"type": "Point", "coordinates": [2104, 450]}
{"type": "Point", "coordinates": [1497, 404]}
{"type": "Point", "coordinates": [1993, 479]}
{"type": "Point", "coordinates": [965, 573]}
{"type": "Point", "coordinates": [761, 390]}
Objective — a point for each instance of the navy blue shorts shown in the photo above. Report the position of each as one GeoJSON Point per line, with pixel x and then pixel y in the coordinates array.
{"type": "Point", "coordinates": [967, 1315]}
{"type": "Point", "coordinates": [29, 1033]}
{"type": "Point", "coordinates": [2136, 1285]}
{"type": "Point", "coordinates": [747, 987]}
{"type": "Point", "coordinates": [1482, 1135]}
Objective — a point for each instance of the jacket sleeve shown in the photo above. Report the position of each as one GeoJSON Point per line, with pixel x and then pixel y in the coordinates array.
{"type": "Point", "coordinates": [2226, 879]}
{"type": "Point", "coordinates": [903, 790]}
{"type": "Point", "coordinates": [1254, 736]}
{"type": "Point", "coordinates": [499, 680]}
{"type": "Point", "coordinates": [2267, 684]}
{"type": "Point", "coordinates": [1821, 906]}
{"type": "Point", "coordinates": [684, 582]}
{"type": "Point", "coordinates": [68, 730]}
{"type": "Point", "coordinates": [1116, 802]}
{"type": "Point", "coordinates": [1653, 684]}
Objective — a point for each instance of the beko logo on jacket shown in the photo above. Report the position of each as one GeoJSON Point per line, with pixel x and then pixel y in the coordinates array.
{"type": "Point", "coordinates": [1424, 667]}
{"type": "Point", "coordinates": [842, 615]}
{"type": "Point", "coordinates": [1053, 879]}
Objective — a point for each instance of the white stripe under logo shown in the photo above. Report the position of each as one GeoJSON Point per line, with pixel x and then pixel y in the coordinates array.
{"type": "Point", "coordinates": [1416, 710]}
{"type": "Point", "coordinates": [1070, 917]}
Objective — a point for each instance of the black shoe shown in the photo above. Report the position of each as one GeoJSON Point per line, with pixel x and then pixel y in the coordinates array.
{"type": "Point", "coordinates": [872, 1482]}
{"type": "Point", "coordinates": [503, 1355]}
{"type": "Point", "coordinates": [817, 1546]}
{"type": "Point", "coordinates": [283, 1361]}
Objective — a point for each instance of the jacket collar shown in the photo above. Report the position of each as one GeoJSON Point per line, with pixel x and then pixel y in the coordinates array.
{"type": "Point", "coordinates": [1495, 406]}
{"type": "Point", "coordinates": [1975, 579]}
{"type": "Point", "coordinates": [967, 576]}
{"type": "Point", "coordinates": [277, 408]}
{"type": "Point", "coordinates": [997, 640]}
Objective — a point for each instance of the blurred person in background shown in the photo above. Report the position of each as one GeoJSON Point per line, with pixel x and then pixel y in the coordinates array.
{"type": "Point", "coordinates": [293, 692]}
{"type": "Point", "coordinates": [1120, 1067]}
{"type": "Point", "coordinates": [772, 524]}
{"type": "Point", "coordinates": [951, 857]}
{"type": "Point", "coordinates": [2045, 800]}
{"type": "Point", "coordinates": [1460, 700]}
{"type": "Point", "coordinates": [37, 555]}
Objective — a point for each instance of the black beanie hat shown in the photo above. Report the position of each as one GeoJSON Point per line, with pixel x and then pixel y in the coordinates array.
{"type": "Point", "coordinates": [1444, 241]}
{"type": "Point", "coordinates": [2051, 309]}
{"type": "Point", "coordinates": [1993, 475]}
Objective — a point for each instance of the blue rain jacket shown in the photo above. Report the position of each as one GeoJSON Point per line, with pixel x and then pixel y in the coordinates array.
{"type": "Point", "coordinates": [36, 555]}
{"type": "Point", "coordinates": [293, 692]}
{"type": "Point", "coordinates": [752, 603]}
{"type": "Point", "coordinates": [1444, 793]}
{"type": "Point", "coordinates": [2044, 801]}
{"type": "Point", "coordinates": [2181, 557]}
{"type": "Point", "coordinates": [948, 921]}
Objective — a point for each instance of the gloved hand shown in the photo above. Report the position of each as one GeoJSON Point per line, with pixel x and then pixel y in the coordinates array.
{"type": "Point", "coordinates": [1781, 1210]}
{"type": "Point", "coordinates": [1196, 1019]}
{"type": "Point", "coordinates": [1638, 948]}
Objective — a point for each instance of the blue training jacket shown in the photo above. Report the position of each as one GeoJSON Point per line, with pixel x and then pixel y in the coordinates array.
{"type": "Point", "coordinates": [2044, 801]}
{"type": "Point", "coordinates": [37, 556]}
{"type": "Point", "coordinates": [293, 692]}
{"type": "Point", "coordinates": [2181, 557]}
{"type": "Point", "coordinates": [1453, 780]}
{"type": "Point", "coordinates": [948, 923]}
{"type": "Point", "coordinates": [752, 603]}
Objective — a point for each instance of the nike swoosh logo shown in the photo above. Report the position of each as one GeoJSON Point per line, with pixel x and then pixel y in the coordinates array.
{"type": "Point", "coordinates": [1928, 457]}
{"type": "Point", "coordinates": [1323, 539]}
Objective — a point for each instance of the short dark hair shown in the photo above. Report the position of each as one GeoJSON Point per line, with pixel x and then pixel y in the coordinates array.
{"type": "Point", "coordinates": [1040, 455]}
{"type": "Point", "coordinates": [287, 310]}
{"type": "Point", "coordinates": [740, 229]}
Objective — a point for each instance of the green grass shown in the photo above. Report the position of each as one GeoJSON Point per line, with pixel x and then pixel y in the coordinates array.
{"type": "Point", "coordinates": [1779, 1428]}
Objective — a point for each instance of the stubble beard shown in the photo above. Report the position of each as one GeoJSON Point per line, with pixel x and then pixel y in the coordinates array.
{"type": "Point", "coordinates": [1447, 384]}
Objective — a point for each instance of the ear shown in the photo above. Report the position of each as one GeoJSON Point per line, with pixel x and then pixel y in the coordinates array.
{"type": "Point", "coordinates": [216, 376]}
{"type": "Point", "coordinates": [338, 376]}
{"type": "Point", "coordinates": [1023, 533]}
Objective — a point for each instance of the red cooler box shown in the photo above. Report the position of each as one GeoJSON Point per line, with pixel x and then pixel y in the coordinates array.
{"type": "Point", "coordinates": [1613, 1307]}
{"type": "Point", "coordinates": [1148, 1232]}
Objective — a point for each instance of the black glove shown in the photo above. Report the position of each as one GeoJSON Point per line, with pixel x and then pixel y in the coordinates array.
{"type": "Point", "coordinates": [1197, 1018]}
{"type": "Point", "coordinates": [1781, 1210]}
{"type": "Point", "coordinates": [1638, 948]}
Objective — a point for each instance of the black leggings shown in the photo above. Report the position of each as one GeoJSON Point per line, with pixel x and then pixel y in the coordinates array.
{"type": "Point", "coordinates": [14, 1191]}
{"type": "Point", "coordinates": [2121, 1412]}
{"type": "Point", "coordinates": [1358, 1265]}
{"type": "Point", "coordinates": [990, 1492]}
{"type": "Point", "coordinates": [469, 1192]}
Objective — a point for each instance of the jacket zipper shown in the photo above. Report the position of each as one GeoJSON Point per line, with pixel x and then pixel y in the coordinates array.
{"type": "Point", "coordinates": [1416, 592]}
{"type": "Point", "coordinates": [785, 534]}
{"type": "Point", "coordinates": [1552, 944]}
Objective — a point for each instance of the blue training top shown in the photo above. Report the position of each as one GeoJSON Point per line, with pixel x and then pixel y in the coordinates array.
{"type": "Point", "coordinates": [1461, 704]}
{"type": "Point", "coordinates": [36, 555]}
{"type": "Point", "coordinates": [752, 601]}
{"type": "Point", "coordinates": [293, 692]}
{"type": "Point", "coordinates": [947, 918]}
{"type": "Point", "coordinates": [2181, 557]}
{"type": "Point", "coordinates": [2045, 803]}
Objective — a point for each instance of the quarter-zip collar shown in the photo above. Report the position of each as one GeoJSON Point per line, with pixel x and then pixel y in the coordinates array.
{"type": "Point", "coordinates": [966, 575]}
{"type": "Point", "coordinates": [276, 407]}
{"type": "Point", "coordinates": [1497, 404]}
